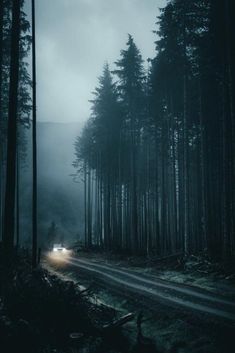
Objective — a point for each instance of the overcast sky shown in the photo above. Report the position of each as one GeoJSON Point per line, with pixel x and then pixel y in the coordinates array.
{"type": "Point", "coordinates": [74, 39]}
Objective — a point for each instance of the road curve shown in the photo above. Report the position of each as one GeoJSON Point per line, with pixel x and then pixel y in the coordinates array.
{"type": "Point", "coordinates": [161, 291]}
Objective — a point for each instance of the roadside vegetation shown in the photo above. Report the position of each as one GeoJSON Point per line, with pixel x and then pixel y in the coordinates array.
{"type": "Point", "coordinates": [41, 313]}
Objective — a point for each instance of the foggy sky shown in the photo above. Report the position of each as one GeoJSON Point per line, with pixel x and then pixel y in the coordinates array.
{"type": "Point", "coordinates": [74, 39]}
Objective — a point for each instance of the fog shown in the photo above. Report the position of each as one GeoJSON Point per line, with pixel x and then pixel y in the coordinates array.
{"type": "Point", "coordinates": [74, 39]}
{"type": "Point", "coordinates": [60, 199]}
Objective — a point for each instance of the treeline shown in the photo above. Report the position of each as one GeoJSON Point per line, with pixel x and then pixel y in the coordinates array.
{"type": "Point", "coordinates": [15, 110]}
{"type": "Point", "coordinates": [158, 152]}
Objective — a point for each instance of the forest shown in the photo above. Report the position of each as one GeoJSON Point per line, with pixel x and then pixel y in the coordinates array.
{"type": "Point", "coordinates": [117, 232]}
{"type": "Point", "coordinates": [157, 154]}
{"type": "Point", "coordinates": [15, 114]}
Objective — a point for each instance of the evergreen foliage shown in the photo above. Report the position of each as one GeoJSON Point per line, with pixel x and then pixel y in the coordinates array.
{"type": "Point", "coordinates": [13, 74]}
{"type": "Point", "coordinates": [158, 151]}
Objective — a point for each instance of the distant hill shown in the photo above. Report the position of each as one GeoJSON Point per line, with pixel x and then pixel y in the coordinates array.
{"type": "Point", "coordinates": [60, 199]}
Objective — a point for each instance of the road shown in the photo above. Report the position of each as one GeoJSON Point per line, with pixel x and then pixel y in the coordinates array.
{"type": "Point", "coordinates": [149, 287]}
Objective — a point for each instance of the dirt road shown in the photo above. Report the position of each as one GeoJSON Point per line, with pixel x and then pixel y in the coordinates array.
{"type": "Point", "coordinates": [156, 290]}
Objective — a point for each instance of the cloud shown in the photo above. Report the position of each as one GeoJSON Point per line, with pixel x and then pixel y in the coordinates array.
{"type": "Point", "coordinates": [74, 39]}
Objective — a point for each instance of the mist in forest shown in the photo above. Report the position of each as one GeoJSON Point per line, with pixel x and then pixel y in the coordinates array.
{"type": "Point", "coordinates": [60, 197]}
{"type": "Point", "coordinates": [66, 77]}
{"type": "Point", "coordinates": [74, 39]}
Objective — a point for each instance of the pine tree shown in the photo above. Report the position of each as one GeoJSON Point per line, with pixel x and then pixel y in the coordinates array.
{"type": "Point", "coordinates": [130, 72]}
{"type": "Point", "coordinates": [8, 236]}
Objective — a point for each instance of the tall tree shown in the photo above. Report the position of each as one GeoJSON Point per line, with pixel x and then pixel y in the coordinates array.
{"type": "Point", "coordinates": [24, 88]}
{"type": "Point", "coordinates": [8, 238]}
{"type": "Point", "coordinates": [34, 143]}
{"type": "Point", "coordinates": [131, 75]}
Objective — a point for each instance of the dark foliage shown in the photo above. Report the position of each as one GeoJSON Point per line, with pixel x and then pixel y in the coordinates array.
{"type": "Point", "coordinates": [15, 109]}
{"type": "Point", "coordinates": [158, 159]}
{"type": "Point", "coordinates": [40, 312]}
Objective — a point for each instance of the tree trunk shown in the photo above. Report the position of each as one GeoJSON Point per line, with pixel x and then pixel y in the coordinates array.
{"type": "Point", "coordinates": [17, 201]}
{"type": "Point", "coordinates": [8, 237]}
{"type": "Point", "coordinates": [34, 144]}
{"type": "Point", "coordinates": [1, 55]}
{"type": "Point", "coordinates": [186, 164]}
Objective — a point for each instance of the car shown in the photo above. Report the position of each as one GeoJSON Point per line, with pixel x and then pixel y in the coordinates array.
{"type": "Point", "coordinates": [59, 248]}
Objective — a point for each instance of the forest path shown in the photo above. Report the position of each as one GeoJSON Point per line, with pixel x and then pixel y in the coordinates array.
{"type": "Point", "coordinates": [156, 290]}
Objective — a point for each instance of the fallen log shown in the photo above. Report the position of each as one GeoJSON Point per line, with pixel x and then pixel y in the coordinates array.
{"type": "Point", "coordinates": [119, 322]}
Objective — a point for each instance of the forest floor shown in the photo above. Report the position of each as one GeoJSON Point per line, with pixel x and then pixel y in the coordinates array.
{"type": "Point", "coordinates": [41, 312]}
{"type": "Point", "coordinates": [166, 326]}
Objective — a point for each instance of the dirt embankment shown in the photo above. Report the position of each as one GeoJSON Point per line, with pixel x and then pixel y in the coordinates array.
{"type": "Point", "coordinates": [42, 313]}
